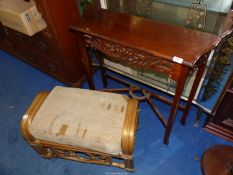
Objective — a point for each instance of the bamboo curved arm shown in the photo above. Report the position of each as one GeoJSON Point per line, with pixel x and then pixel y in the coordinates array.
{"type": "Point", "coordinates": [29, 115]}
{"type": "Point", "coordinates": [129, 128]}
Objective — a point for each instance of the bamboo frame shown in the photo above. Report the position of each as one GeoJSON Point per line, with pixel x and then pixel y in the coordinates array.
{"type": "Point", "coordinates": [55, 150]}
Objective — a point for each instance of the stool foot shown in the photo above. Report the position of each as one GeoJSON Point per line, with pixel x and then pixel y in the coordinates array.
{"type": "Point", "coordinates": [129, 164]}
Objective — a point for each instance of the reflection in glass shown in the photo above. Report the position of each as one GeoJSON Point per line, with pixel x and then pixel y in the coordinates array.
{"type": "Point", "coordinates": [196, 16]}
{"type": "Point", "coordinates": [175, 11]}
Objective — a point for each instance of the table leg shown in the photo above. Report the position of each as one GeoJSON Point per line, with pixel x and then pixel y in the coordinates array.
{"type": "Point", "coordinates": [199, 113]}
{"type": "Point", "coordinates": [103, 70]}
{"type": "Point", "coordinates": [179, 89]}
{"type": "Point", "coordinates": [86, 63]}
{"type": "Point", "coordinates": [199, 75]}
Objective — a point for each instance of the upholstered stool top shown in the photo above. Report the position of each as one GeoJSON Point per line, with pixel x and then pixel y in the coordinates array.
{"type": "Point", "coordinates": [84, 118]}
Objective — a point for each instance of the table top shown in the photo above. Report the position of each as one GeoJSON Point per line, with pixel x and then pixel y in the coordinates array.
{"type": "Point", "coordinates": [159, 39]}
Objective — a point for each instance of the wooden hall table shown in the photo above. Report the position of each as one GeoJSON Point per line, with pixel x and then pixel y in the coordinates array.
{"type": "Point", "coordinates": [145, 43]}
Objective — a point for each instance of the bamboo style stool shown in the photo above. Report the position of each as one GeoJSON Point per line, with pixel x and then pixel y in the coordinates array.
{"type": "Point", "coordinates": [82, 125]}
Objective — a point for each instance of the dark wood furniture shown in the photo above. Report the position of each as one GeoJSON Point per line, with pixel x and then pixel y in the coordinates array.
{"type": "Point", "coordinates": [147, 44]}
{"type": "Point", "coordinates": [54, 50]}
{"type": "Point", "coordinates": [218, 160]}
{"type": "Point", "coordinates": [221, 122]}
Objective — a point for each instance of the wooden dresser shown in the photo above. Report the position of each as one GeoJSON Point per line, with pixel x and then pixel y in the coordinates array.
{"type": "Point", "coordinates": [54, 50]}
{"type": "Point", "coordinates": [221, 123]}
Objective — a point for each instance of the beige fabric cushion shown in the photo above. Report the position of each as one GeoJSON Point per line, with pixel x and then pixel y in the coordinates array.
{"type": "Point", "coordinates": [84, 118]}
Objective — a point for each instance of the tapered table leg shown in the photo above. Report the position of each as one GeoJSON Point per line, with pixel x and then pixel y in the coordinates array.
{"type": "Point", "coordinates": [198, 77]}
{"type": "Point", "coordinates": [175, 104]}
{"type": "Point", "coordinates": [197, 120]}
{"type": "Point", "coordinates": [103, 70]}
{"type": "Point", "coordinates": [86, 62]}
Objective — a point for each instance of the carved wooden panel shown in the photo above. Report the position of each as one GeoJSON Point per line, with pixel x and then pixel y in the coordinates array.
{"type": "Point", "coordinates": [131, 56]}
